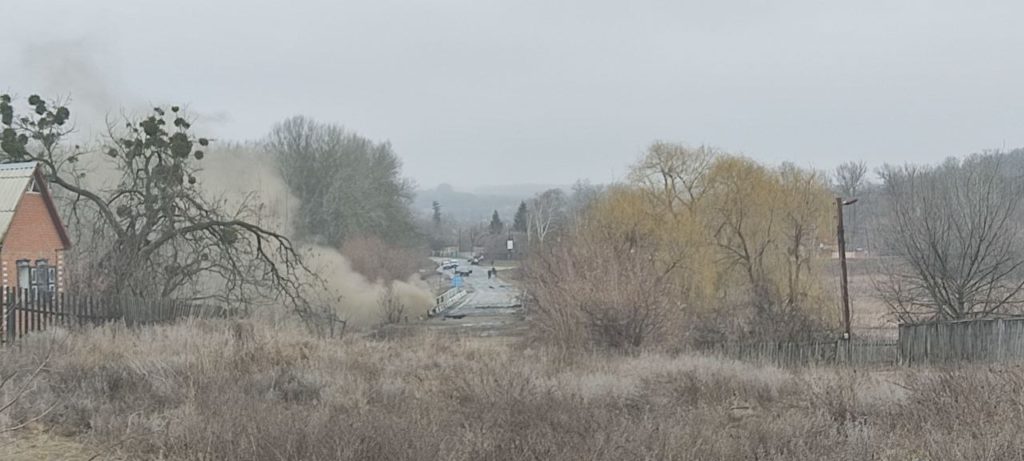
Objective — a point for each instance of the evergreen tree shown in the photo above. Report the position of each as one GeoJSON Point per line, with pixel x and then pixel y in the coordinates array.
{"type": "Point", "coordinates": [496, 225]}
{"type": "Point", "coordinates": [437, 213]}
{"type": "Point", "coordinates": [519, 224]}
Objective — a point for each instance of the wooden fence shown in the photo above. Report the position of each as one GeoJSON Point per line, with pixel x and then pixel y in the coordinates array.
{"type": "Point", "coordinates": [990, 340]}
{"type": "Point", "coordinates": [24, 313]}
{"type": "Point", "coordinates": [795, 354]}
{"type": "Point", "coordinates": [979, 340]}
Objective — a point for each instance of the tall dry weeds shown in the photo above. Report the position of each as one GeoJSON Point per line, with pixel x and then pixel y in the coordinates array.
{"type": "Point", "coordinates": [222, 390]}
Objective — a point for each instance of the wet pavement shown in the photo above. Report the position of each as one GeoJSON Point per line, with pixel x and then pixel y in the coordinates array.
{"type": "Point", "coordinates": [491, 307]}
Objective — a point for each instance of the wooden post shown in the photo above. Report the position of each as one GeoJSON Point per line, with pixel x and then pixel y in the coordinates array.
{"type": "Point", "coordinates": [34, 318]}
{"type": "Point", "coordinates": [76, 301]}
{"type": "Point", "coordinates": [64, 314]}
{"type": "Point", "coordinates": [48, 302]}
{"type": "Point", "coordinates": [11, 322]}
{"type": "Point", "coordinates": [844, 282]}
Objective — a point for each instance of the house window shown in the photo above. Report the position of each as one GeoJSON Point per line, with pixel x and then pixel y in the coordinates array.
{"type": "Point", "coordinates": [33, 185]}
{"type": "Point", "coordinates": [38, 279]}
{"type": "Point", "coordinates": [24, 274]}
{"type": "Point", "coordinates": [51, 280]}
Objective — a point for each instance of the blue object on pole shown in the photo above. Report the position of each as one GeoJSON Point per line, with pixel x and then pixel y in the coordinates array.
{"type": "Point", "coordinates": [457, 281]}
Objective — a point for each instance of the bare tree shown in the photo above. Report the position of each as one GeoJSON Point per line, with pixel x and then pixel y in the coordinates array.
{"type": "Point", "coordinates": [582, 199]}
{"type": "Point", "coordinates": [347, 185]}
{"type": "Point", "coordinates": [391, 307]}
{"type": "Point", "coordinates": [849, 180]}
{"type": "Point", "coordinates": [153, 230]}
{"type": "Point", "coordinates": [674, 176]}
{"type": "Point", "coordinates": [546, 211]}
{"type": "Point", "coordinates": [956, 230]}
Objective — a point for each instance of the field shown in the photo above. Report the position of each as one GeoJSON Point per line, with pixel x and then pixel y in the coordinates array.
{"type": "Point", "coordinates": [223, 390]}
{"type": "Point", "coordinates": [869, 315]}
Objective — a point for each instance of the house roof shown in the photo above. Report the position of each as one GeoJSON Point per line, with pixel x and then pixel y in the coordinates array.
{"type": "Point", "coordinates": [14, 181]}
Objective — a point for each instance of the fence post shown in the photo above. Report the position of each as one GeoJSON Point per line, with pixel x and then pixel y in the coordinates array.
{"type": "Point", "coordinates": [79, 310]}
{"type": "Point", "coordinates": [35, 311]}
{"type": "Point", "coordinates": [10, 315]}
{"type": "Point", "coordinates": [62, 307]}
{"type": "Point", "coordinates": [50, 311]}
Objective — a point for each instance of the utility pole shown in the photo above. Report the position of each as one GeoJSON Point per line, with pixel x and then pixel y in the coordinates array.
{"type": "Point", "coordinates": [509, 245]}
{"type": "Point", "coordinates": [844, 281]}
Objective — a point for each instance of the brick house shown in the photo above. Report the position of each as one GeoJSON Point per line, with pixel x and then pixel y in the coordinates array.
{"type": "Point", "coordinates": [32, 237]}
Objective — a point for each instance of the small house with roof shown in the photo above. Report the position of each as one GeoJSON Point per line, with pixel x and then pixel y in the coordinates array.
{"type": "Point", "coordinates": [33, 238]}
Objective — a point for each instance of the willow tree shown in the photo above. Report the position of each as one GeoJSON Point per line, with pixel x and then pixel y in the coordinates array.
{"type": "Point", "coordinates": [150, 230]}
{"type": "Point", "coordinates": [747, 233]}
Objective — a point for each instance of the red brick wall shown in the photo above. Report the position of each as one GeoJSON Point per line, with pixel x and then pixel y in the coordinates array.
{"type": "Point", "coordinates": [32, 235]}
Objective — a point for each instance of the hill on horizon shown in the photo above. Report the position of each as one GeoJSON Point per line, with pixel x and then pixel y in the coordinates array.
{"type": "Point", "coordinates": [478, 205]}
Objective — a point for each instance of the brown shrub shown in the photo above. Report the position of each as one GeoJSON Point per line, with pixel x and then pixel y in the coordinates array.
{"type": "Point", "coordinates": [192, 392]}
{"type": "Point", "coordinates": [595, 292]}
{"type": "Point", "coordinates": [392, 308]}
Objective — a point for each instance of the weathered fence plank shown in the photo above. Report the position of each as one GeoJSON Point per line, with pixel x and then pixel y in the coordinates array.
{"type": "Point", "coordinates": [794, 354]}
{"type": "Point", "coordinates": [976, 340]}
{"type": "Point", "coordinates": [25, 313]}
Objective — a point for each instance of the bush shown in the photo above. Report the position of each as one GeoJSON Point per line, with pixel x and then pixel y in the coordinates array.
{"type": "Point", "coordinates": [391, 307]}
{"type": "Point", "coordinates": [587, 291]}
{"type": "Point", "coordinates": [193, 391]}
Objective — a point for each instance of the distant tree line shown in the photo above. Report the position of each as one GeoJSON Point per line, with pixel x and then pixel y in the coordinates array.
{"type": "Point", "coordinates": [348, 186]}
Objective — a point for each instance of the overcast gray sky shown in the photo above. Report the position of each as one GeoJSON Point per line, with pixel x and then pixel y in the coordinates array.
{"type": "Point", "coordinates": [476, 92]}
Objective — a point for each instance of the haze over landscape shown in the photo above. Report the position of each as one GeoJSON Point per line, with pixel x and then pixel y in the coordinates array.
{"type": "Point", "coordinates": [473, 93]}
{"type": "Point", "coordinates": [511, 230]}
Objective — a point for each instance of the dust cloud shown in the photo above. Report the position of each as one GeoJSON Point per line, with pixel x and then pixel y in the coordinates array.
{"type": "Point", "coordinates": [356, 298]}
{"type": "Point", "coordinates": [240, 175]}
{"type": "Point", "coordinates": [244, 175]}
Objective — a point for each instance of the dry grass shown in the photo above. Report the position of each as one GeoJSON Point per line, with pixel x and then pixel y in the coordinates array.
{"type": "Point", "coordinates": [201, 391]}
{"type": "Point", "coordinates": [868, 310]}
